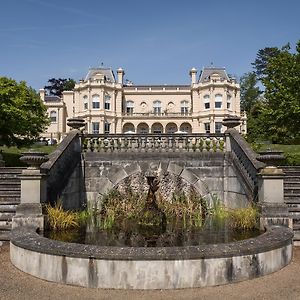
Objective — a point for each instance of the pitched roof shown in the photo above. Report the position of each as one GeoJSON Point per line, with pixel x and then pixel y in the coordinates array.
{"type": "Point", "coordinates": [208, 71]}
{"type": "Point", "coordinates": [107, 72]}
{"type": "Point", "coordinates": [52, 99]}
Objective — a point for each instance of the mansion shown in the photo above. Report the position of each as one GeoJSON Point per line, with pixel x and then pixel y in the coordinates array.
{"type": "Point", "coordinates": [109, 104]}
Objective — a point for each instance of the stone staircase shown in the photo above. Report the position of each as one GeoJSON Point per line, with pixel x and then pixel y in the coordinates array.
{"type": "Point", "coordinates": [292, 196]}
{"type": "Point", "coordinates": [10, 192]}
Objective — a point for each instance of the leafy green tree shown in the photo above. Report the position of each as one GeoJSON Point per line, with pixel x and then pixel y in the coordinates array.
{"type": "Point", "coordinates": [282, 92]}
{"type": "Point", "coordinates": [22, 114]}
{"type": "Point", "coordinates": [250, 92]}
{"type": "Point", "coordinates": [262, 58]}
{"type": "Point", "coordinates": [57, 86]}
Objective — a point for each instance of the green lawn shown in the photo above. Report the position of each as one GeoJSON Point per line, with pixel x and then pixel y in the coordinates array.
{"type": "Point", "coordinates": [290, 152]}
{"type": "Point", "coordinates": [11, 155]}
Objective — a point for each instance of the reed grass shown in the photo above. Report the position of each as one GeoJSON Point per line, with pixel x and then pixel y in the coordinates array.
{"type": "Point", "coordinates": [59, 219]}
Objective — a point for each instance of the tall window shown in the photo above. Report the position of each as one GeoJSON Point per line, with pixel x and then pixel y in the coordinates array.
{"type": "Point", "coordinates": [218, 101]}
{"type": "Point", "coordinates": [228, 101]}
{"type": "Point", "coordinates": [157, 107]}
{"type": "Point", "coordinates": [107, 102]}
{"type": "Point", "coordinates": [218, 127]}
{"type": "Point", "coordinates": [106, 127]}
{"type": "Point", "coordinates": [85, 103]}
{"type": "Point", "coordinates": [206, 100]}
{"type": "Point", "coordinates": [129, 107]}
{"type": "Point", "coordinates": [96, 101]}
{"type": "Point", "coordinates": [53, 116]}
{"type": "Point", "coordinates": [184, 108]}
{"type": "Point", "coordinates": [207, 127]}
{"type": "Point", "coordinates": [95, 127]}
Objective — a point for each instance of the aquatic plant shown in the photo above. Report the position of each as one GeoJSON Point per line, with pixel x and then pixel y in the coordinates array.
{"type": "Point", "coordinates": [60, 219]}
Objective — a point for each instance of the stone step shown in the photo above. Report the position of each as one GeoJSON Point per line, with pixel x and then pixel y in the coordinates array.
{"type": "Point", "coordinates": [288, 177]}
{"type": "Point", "coordinates": [8, 208]}
{"type": "Point", "coordinates": [291, 198]}
{"type": "Point", "coordinates": [5, 227]}
{"type": "Point", "coordinates": [291, 181]}
{"type": "Point", "coordinates": [10, 194]}
{"type": "Point", "coordinates": [9, 200]}
{"type": "Point", "coordinates": [6, 216]}
{"type": "Point", "coordinates": [4, 235]}
{"type": "Point", "coordinates": [11, 169]}
{"type": "Point", "coordinates": [292, 191]}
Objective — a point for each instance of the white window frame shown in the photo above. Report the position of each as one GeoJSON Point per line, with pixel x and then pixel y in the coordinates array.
{"type": "Point", "coordinates": [184, 107]}
{"type": "Point", "coordinates": [95, 127]}
{"type": "Point", "coordinates": [107, 101]}
{"type": "Point", "coordinates": [218, 127]}
{"type": "Point", "coordinates": [96, 104]}
{"type": "Point", "coordinates": [157, 107]}
{"type": "Point", "coordinates": [53, 116]}
{"type": "Point", "coordinates": [218, 101]}
{"type": "Point", "coordinates": [129, 107]}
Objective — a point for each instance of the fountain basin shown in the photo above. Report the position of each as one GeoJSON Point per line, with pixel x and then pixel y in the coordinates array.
{"type": "Point", "coordinates": [150, 268]}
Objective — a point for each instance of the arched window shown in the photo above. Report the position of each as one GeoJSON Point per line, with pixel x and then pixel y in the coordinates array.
{"type": "Point", "coordinates": [129, 107]}
{"type": "Point", "coordinates": [206, 100]}
{"type": "Point", "coordinates": [85, 103]}
{"type": "Point", "coordinates": [107, 102]}
{"type": "Point", "coordinates": [53, 116]}
{"type": "Point", "coordinates": [184, 107]}
{"type": "Point", "coordinates": [96, 101]}
{"type": "Point", "coordinates": [157, 107]}
{"type": "Point", "coordinates": [218, 101]}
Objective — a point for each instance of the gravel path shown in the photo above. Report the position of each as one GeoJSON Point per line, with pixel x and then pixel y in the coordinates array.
{"type": "Point", "coordinates": [282, 285]}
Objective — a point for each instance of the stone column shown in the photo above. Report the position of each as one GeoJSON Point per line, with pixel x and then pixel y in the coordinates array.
{"type": "Point", "coordinates": [273, 209]}
{"type": "Point", "coordinates": [33, 192]}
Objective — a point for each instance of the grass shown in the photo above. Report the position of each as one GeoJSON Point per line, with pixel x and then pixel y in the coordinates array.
{"type": "Point", "coordinates": [245, 218]}
{"type": "Point", "coordinates": [60, 219]}
{"type": "Point", "coordinates": [291, 152]}
{"type": "Point", "coordinates": [11, 155]}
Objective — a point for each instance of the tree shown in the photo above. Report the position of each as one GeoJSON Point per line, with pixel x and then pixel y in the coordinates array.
{"type": "Point", "coordinates": [262, 58]}
{"type": "Point", "coordinates": [22, 114]}
{"type": "Point", "coordinates": [282, 92]}
{"type": "Point", "coordinates": [57, 86]}
{"type": "Point", "coordinates": [250, 92]}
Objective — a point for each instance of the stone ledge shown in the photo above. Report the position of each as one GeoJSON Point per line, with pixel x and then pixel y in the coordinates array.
{"type": "Point", "coordinates": [274, 238]}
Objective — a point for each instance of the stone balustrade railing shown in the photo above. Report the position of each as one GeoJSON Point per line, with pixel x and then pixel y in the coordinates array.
{"type": "Point", "coordinates": [153, 143]}
{"type": "Point", "coordinates": [245, 160]}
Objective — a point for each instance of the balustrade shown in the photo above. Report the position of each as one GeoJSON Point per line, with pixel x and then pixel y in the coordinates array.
{"type": "Point", "coordinates": [153, 143]}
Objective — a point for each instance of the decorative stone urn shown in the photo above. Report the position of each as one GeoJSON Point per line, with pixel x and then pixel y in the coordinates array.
{"type": "Point", "coordinates": [34, 159]}
{"type": "Point", "coordinates": [76, 123]}
{"type": "Point", "coordinates": [270, 157]}
{"type": "Point", "coordinates": [231, 121]}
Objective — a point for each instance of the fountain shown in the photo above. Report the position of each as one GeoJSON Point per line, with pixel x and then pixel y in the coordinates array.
{"type": "Point", "coordinates": [150, 266]}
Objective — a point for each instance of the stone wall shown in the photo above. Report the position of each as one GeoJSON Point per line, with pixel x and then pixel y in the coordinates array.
{"type": "Point", "coordinates": [207, 173]}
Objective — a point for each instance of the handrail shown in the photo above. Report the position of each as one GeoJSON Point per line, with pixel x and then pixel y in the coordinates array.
{"type": "Point", "coordinates": [245, 160]}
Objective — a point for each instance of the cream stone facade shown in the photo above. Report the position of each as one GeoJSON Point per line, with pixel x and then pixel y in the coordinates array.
{"type": "Point", "coordinates": [110, 105]}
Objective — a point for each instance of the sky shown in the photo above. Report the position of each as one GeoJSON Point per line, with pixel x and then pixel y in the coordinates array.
{"type": "Point", "coordinates": [154, 41]}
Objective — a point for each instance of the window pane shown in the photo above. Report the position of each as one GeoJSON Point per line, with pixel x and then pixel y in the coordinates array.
{"type": "Point", "coordinates": [207, 105]}
{"type": "Point", "coordinates": [53, 116]}
{"type": "Point", "coordinates": [95, 127]}
{"type": "Point", "coordinates": [96, 101]}
{"type": "Point", "coordinates": [218, 104]}
{"type": "Point", "coordinates": [106, 127]}
{"type": "Point", "coordinates": [218, 127]}
{"type": "Point", "coordinates": [207, 127]}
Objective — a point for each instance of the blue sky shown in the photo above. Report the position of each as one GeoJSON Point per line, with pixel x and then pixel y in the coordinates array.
{"type": "Point", "coordinates": [155, 42]}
